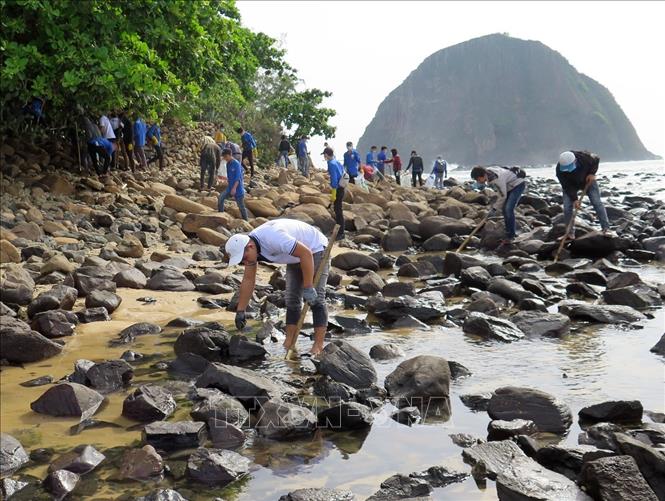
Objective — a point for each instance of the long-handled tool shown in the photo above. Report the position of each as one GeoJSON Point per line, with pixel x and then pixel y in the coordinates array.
{"type": "Point", "coordinates": [476, 230]}
{"type": "Point", "coordinates": [571, 223]}
{"type": "Point", "coordinates": [317, 277]}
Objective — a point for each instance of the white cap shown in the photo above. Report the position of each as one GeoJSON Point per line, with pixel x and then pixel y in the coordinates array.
{"type": "Point", "coordinates": [235, 248]}
{"type": "Point", "coordinates": [566, 158]}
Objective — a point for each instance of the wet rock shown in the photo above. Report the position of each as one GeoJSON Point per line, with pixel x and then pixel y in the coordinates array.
{"type": "Point", "coordinates": [220, 407]}
{"type": "Point", "coordinates": [536, 287]}
{"type": "Point", "coordinates": [12, 455]}
{"type": "Point", "coordinates": [211, 344]}
{"type": "Point", "coordinates": [169, 278]}
{"type": "Point", "coordinates": [212, 283]}
{"type": "Point", "coordinates": [659, 347]}
{"type": "Point", "coordinates": [396, 239]}
{"type": "Point", "coordinates": [535, 323]}
{"type": "Point", "coordinates": [495, 455]}
{"type": "Point", "coordinates": [131, 278]}
{"type": "Point", "coordinates": [130, 333]}
{"type": "Point", "coordinates": [108, 300]}
{"type": "Point", "coordinates": [499, 429]}
{"type": "Point", "coordinates": [173, 435]}
{"type": "Point", "coordinates": [568, 460]}
{"type": "Point", "coordinates": [484, 304]}
{"type": "Point", "coordinates": [638, 297]}
{"type": "Point", "coordinates": [425, 307]}
{"type": "Point", "coordinates": [435, 243]}
{"type": "Point", "coordinates": [346, 416]}
{"type": "Point", "coordinates": [68, 400]}
{"type": "Point", "coordinates": [333, 391]}
{"type": "Point", "coordinates": [350, 325]}
{"type": "Point", "coordinates": [38, 381]}
{"type": "Point", "coordinates": [184, 322]}
{"type": "Point", "coordinates": [475, 276]}
{"type": "Point", "coordinates": [491, 327]}
{"type": "Point", "coordinates": [477, 401]}
{"type": "Point", "coordinates": [246, 385]}
{"type": "Point", "coordinates": [465, 440]}
{"type": "Point", "coordinates": [590, 276]}
{"type": "Point", "coordinates": [406, 415]}
{"type": "Point", "coordinates": [578, 289]}
{"type": "Point", "coordinates": [90, 315]}
{"type": "Point", "coordinates": [216, 466]}
{"type": "Point", "coordinates": [417, 269]}
{"type": "Point", "coordinates": [596, 244]}
{"type": "Point", "coordinates": [224, 434]}
{"type": "Point", "coordinates": [623, 279]}
{"type": "Point", "coordinates": [613, 478]}
{"type": "Point", "coordinates": [509, 290]}
{"type": "Point", "coordinates": [242, 349]}
{"type": "Point", "coordinates": [650, 461]}
{"type": "Point", "coordinates": [422, 381]}
{"type": "Point", "coordinates": [548, 413]}
{"type": "Point", "coordinates": [323, 494]}
{"type": "Point", "coordinates": [60, 483]}
{"type": "Point", "coordinates": [141, 464]}
{"type": "Point", "coordinates": [402, 487]}
{"type": "Point", "coordinates": [60, 297]}
{"type": "Point", "coordinates": [93, 278]}
{"type": "Point", "coordinates": [458, 370]}
{"type": "Point", "coordinates": [351, 260]}
{"type": "Point", "coordinates": [110, 375]}
{"type": "Point", "coordinates": [55, 323]}
{"type": "Point", "coordinates": [81, 460]}
{"type": "Point", "coordinates": [280, 420]}
{"type": "Point", "coordinates": [9, 487]}
{"type": "Point", "coordinates": [371, 283]}
{"type": "Point", "coordinates": [439, 476]}
{"type": "Point", "coordinates": [346, 364]}
{"type": "Point", "coordinates": [396, 289]}
{"type": "Point", "coordinates": [148, 403]}
{"type": "Point", "coordinates": [162, 495]}
{"type": "Point", "coordinates": [385, 351]}
{"type": "Point", "coordinates": [600, 435]}
{"type": "Point", "coordinates": [608, 314]}
{"type": "Point", "coordinates": [17, 286]}
{"type": "Point", "coordinates": [615, 411]}
{"type": "Point", "coordinates": [409, 322]}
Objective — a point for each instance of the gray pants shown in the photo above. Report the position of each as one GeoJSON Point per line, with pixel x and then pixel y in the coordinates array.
{"type": "Point", "coordinates": [139, 153]}
{"type": "Point", "coordinates": [303, 165]}
{"type": "Point", "coordinates": [293, 297]}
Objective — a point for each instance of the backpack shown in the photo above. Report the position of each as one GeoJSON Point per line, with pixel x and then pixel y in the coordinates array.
{"type": "Point", "coordinates": [518, 171]}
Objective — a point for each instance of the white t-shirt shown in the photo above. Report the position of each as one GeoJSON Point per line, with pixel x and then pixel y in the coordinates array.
{"type": "Point", "coordinates": [278, 238]}
{"type": "Point", "coordinates": [115, 123]}
{"type": "Point", "coordinates": [106, 128]}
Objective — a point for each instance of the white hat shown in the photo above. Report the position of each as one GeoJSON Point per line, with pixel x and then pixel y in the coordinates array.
{"type": "Point", "coordinates": [235, 248]}
{"type": "Point", "coordinates": [566, 158]}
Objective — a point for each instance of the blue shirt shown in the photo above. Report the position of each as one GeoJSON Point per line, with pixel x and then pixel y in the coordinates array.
{"type": "Point", "coordinates": [248, 142]}
{"type": "Point", "coordinates": [369, 159]}
{"type": "Point", "coordinates": [439, 166]}
{"type": "Point", "coordinates": [104, 143]}
{"type": "Point", "coordinates": [381, 157]}
{"type": "Point", "coordinates": [302, 148]}
{"type": "Point", "coordinates": [234, 173]}
{"type": "Point", "coordinates": [155, 131]}
{"type": "Point", "coordinates": [336, 172]}
{"type": "Point", "coordinates": [139, 132]}
{"type": "Point", "coordinates": [351, 162]}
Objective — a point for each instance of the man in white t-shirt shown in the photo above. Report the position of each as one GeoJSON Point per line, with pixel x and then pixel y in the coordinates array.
{"type": "Point", "coordinates": [106, 128]}
{"type": "Point", "coordinates": [301, 247]}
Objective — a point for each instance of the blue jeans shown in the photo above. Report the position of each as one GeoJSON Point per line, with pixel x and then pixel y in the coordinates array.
{"type": "Point", "coordinates": [594, 197]}
{"type": "Point", "coordinates": [509, 209]}
{"type": "Point", "coordinates": [239, 200]}
{"type": "Point", "coordinates": [285, 155]}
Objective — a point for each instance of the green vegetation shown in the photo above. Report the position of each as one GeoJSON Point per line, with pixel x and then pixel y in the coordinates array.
{"type": "Point", "coordinates": [183, 59]}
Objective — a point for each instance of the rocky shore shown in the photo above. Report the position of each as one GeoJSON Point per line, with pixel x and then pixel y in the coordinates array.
{"type": "Point", "coordinates": [189, 406]}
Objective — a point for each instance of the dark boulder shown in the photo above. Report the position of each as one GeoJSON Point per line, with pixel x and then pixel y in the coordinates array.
{"type": "Point", "coordinates": [174, 435]}
{"type": "Point", "coordinates": [280, 420]}
{"type": "Point", "coordinates": [55, 323]}
{"type": "Point", "coordinates": [353, 259]}
{"type": "Point", "coordinates": [346, 416]}
{"type": "Point", "coordinates": [371, 283]}
{"type": "Point", "coordinates": [61, 483]}
{"type": "Point", "coordinates": [491, 327]}
{"type": "Point", "coordinates": [162, 495]}
{"type": "Point", "coordinates": [148, 403]}
{"type": "Point", "coordinates": [89, 315]}
{"type": "Point", "coordinates": [591, 276]}
{"type": "Point", "coordinates": [402, 487]}
{"type": "Point", "coordinates": [60, 297]}
{"type": "Point", "coordinates": [346, 364]}
{"type": "Point", "coordinates": [437, 243]}
{"type": "Point", "coordinates": [510, 290]}
{"type": "Point", "coordinates": [568, 460]}
{"type": "Point", "coordinates": [211, 344]}
{"type": "Point", "coordinates": [81, 460]}
{"type": "Point", "coordinates": [93, 278]}
{"type": "Point", "coordinates": [141, 464]}
{"type": "Point", "coordinates": [323, 494]}
{"type": "Point", "coordinates": [132, 278]}
{"type": "Point", "coordinates": [659, 347]}
{"type": "Point", "coordinates": [68, 400]}
{"type": "Point", "coordinates": [110, 375]}
{"type": "Point", "coordinates": [650, 461]}
{"type": "Point", "coordinates": [477, 401]}
{"type": "Point", "coordinates": [423, 382]}
{"type": "Point", "coordinates": [455, 262]}
{"type": "Point", "coordinates": [425, 307]}
{"type": "Point", "coordinates": [396, 289]}
{"type": "Point", "coordinates": [494, 455]}
{"type": "Point", "coordinates": [169, 278]}
{"type": "Point", "coordinates": [406, 415]}
{"type": "Point", "coordinates": [537, 323]}
{"type": "Point", "coordinates": [596, 244]}
{"type": "Point", "coordinates": [385, 351]}
{"type": "Point", "coordinates": [435, 225]}
{"type": "Point", "coordinates": [475, 276]}
{"type": "Point", "coordinates": [17, 286]}
{"type": "Point", "coordinates": [221, 407]}
{"type": "Point", "coordinates": [333, 391]}
{"type": "Point", "coordinates": [108, 300]}
{"type": "Point", "coordinates": [616, 411]}
{"type": "Point", "coordinates": [499, 429]}
{"type": "Point", "coordinates": [212, 283]}
{"type": "Point", "coordinates": [640, 296]}
{"type": "Point", "coordinates": [616, 478]}
{"type": "Point", "coordinates": [217, 467]}
{"type": "Point", "coordinates": [607, 314]}
{"type": "Point", "coordinates": [242, 349]}
{"type": "Point", "coordinates": [130, 333]}
{"type": "Point", "coordinates": [396, 239]}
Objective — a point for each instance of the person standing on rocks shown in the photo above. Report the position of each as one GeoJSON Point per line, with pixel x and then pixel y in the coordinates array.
{"type": "Point", "coordinates": [351, 161]}
{"type": "Point", "coordinates": [236, 187]}
{"type": "Point", "coordinates": [337, 185]}
{"type": "Point", "coordinates": [248, 147]}
{"type": "Point", "coordinates": [211, 159]}
{"type": "Point", "coordinates": [128, 138]}
{"type": "Point", "coordinates": [440, 169]}
{"type": "Point", "coordinates": [301, 247]}
{"type": "Point", "coordinates": [154, 136]}
{"type": "Point", "coordinates": [107, 133]}
{"type": "Point", "coordinates": [381, 160]}
{"type": "Point", "coordinates": [302, 154]}
{"type": "Point", "coordinates": [284, 150]}
{"type": "Point", "coordinates": [509, 184]}
{"type": "Point", "coordinates": [236, 152]}
{"type": "Point", "coordinates": [415, 163]}
{"type": "Point", "coordinates": [140, 130]}
{"type": "Point", "coordinates": [575, 170]}
{"type": "Point", "coordinates": [396, 162]}
{"type": "Point", "coordinates": [100, 147]}
{"type": "Point", "coordinates": [220, 137]}
{"type": "Point", "coordinates": [370, 158]}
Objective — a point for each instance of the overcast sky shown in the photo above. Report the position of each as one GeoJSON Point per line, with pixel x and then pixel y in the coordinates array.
{"type": "Point", "coordinates": [360, 51]}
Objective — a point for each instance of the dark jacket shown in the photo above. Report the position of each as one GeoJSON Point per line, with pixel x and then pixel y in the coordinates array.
{"type": "Point", "coordinates": [284, 145]}
{"type": "Point", "coordinates": [211, 154]}
{"type": "Point", "coordinates": [572, 182]}
{"type": "Point", "coordinates": [417, 163]}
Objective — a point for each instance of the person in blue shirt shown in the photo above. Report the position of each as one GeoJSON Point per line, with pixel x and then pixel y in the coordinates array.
{"type": "Point", "coordinates": [381, 158]}
{"type": "Point", "coordinates": [139, 141]}
{"type": "Point", "coordinates": [236, 189]}
{"type": "Point", "coordinates": [370, 158]}
{"type": "Point", "coordinates": [302, 154]}
{"type": "Point", "coordinates": [336, 171]}
{"type": "Point", "coordinates": [440, 169]}
{"type": "Point", "coordinates": [351, 162]}
{"type": "Point", "coordinates": [100, 147]}
{"type": "Point", "coordinates": [248, 147]}
{"type": "Point", "coordinates": [154, 136]}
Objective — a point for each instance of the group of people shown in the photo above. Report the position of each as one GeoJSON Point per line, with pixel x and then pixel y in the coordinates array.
{"type": "Point", "coordinates": [119, 133]}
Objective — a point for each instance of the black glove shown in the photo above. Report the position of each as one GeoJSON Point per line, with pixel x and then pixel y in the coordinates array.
{"type": "Point", "coordinates": [241, 322]}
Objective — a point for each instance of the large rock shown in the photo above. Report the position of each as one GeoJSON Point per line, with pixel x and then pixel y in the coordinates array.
{"type": "Point", "coordinates": [650, 461]}
{"type": "Point", "coordinates": [637, 296]}
{"type": "Point", "coordinates": [169, 278]}
{"type": "Point", "coordinates": [131, 278]}
{"type": "Point", "coordinates": [422, 381]}
{"type": "Point", "coordinates": [59, 297]}
{"type": "Point", "coordinates": [614, 478]}
{"type": "Point", "coordinates": [659, 347]}
{"type": "Point", "coordinates": [475, 276]}
{"type": "Point", "coordinates": [68, 400]}
{"type": "Point", "coordinates": [91, 278]}
{"type": "Point", "coordinates": [242, 349]}
{"type": "Point", "coordinates": [55, 323]}
{"type": "Point", "coordinates": [221, 407]}
{"type": "Point", "coordinates": [371, 283]}
{"type": "Point", "coordinates": [109, 300]}
{"type": "Point", "coordinates": [323, 494]}
{"type": "Point", "coordinates": [174, 435]}
{"type": "Point", "coordinates": [494, 455]}
{"type": "Point", "coordinates": [596, 244]}
{"type": "Point", "coordinates": [548, 413]}
{"type": "Point", "coordinates": [491, 327]}
{"type": "Point", "coordinates": [130, 333]}
{"type": "Point", "coordinates": [110, 375]}
{"type": "Point", "coordinates": [12, 455]}
{"type": "Point", "coordinates": [346, 416]}
{"type": "Point", "coordinates": [538, 323]}
{"type": "Point", "coordinates": [81, 460]}
{"type": "Point", "coordinates": [396, 239]}
{"type": "Point", "coordinates": [217, 467]}
{"type": "Point", "coordinates": [437, 243]}
{"type": "Point", "coordinates": [425, 307]}
{"type": "Point", "coordinates": [509, 290]}
{"type": "Point", "coordinates": [280, 420]}
{"type": "Point", "coordinates": [455, 262]}
{"type": "Point", "coordinates": [17, 286]}
{"type": "Point", "coordinates": [61, 482]}
{"type": "Point", "coordinates": [9, 253]}
{"type": "Point", "coordinates": [148, 403]}
{"type": "Point", "coordinates": [434, 225]}
{"type": "Point", "coordinates": [601, 313]}
{"type": "Point", "coordinates": [385, 351]}
{"type": "Point", "coordinates": [616, 411]}
{"type": "Point", "coordinates": [141, 464]}
{"type": "Point", "coordinates": [211, 344]}
{"type": "Point", "coordinates": [193, 222]}
{"type": "Point", "coordinates": [346, 364]}
{"type": "Point", "coordinates": [225, 435]}
{"type": "Point", "coordinates": [20, 344]}
{"type": "Point", "coordinates": [261, 207]}
{"type": "Point", "coordinates": [402, 487]}
{"type": "Point", "coordinates": [246, 385]}
{"type": "Point", "coordinates": [353, 259]}
{"type": "Point", "coordinates": [182, 204]}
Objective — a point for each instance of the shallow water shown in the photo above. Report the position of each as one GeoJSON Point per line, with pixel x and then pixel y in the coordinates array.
{"type": "Point", "coordinates": [590, 365]}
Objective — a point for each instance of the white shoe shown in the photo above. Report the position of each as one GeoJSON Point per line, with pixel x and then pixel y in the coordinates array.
{"type": "Point", "coordinates": [609, 233]}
